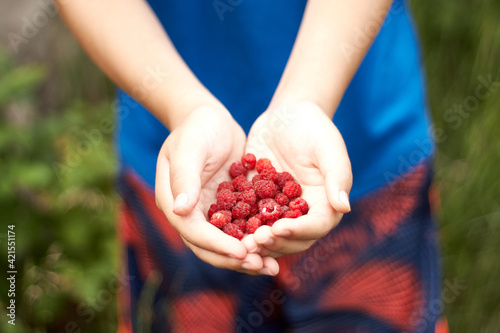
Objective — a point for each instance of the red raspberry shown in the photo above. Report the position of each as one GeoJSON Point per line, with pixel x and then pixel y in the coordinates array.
{"type": "Point", "coordinates": [256, 178]}
{"type": "Point", "coordinates": [226, 199]}
{"type": "Point", "coordinates": [248, 161]}
{"type": "Point", "coordinates": [247, 196]}
{"type": "Point", "coordinates": [292, 189]}
{"type": "Point", "coordinates": [283, 178]}
{"type": "Point", "coordinates": [213, 209]}
{"type": "Point", "coordinates": [299, 204]}
{"type": "Point", "coordinates": [254, 210]}
{"type": "Point", "coordinates": [270, 222]}
{"type": "Point", "coordinates": [269, 174]}
{"type": "Point", "coordinates": [241, 223]}
{"type": "Point", "coordinates": [237, 169]}
{"type": "Point", "coordinates": [253, 224]}
{"type": "Point", "coordinates": [270, 210]}
{"type": "Point", "coordinates": [263, 202]}
{"type": "Point", "coordinates": [227, 213]}
{"type": "Point", "coordinates": [227, 185]}
{"type": "Point", "coordinates": [292, 214]}
{"type": "Point", "coordinates": [282, 199]}
{"type": "Point", "coordinates": [233, 230]}
{"type": "Point", "coordinates": [241, 210]}
{"type": "Point", "coordinates": [241, 184]}
{"type": "Point", "coordinates": [220, 219]}
{"type": "Point", "coordinates": [263, 163]}
{"type": "Point", "coordinates": [265, 189]}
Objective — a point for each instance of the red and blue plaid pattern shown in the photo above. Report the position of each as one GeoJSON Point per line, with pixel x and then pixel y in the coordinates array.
{"type": "Point", "coordinates": [377, 271]}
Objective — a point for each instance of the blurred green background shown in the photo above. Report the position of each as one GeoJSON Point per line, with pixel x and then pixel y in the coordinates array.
{"type": "Point", "coordinates": [57, 184]}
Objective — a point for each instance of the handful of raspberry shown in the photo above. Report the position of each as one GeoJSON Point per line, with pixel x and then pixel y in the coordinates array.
{"type": "Point", "coordinates": [244, 205]}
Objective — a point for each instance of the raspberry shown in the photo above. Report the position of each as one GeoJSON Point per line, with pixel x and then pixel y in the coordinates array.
{"type": "Point", "coordinates": [237, 169]}
{"type": "Point", "coordinates": [227, 185]}
{"type": "Point", "coordinates": [241, 184]}
{"type": "Point", "coordinates": [283, 178]}
{"type": "Point", "coordinates": [263, 163]}
{"type": "Point", "coordinates": [271, 222]}
{"type": "Point", "coordinates": [241, 223]}
{"type": "Point", "coordinates": [269, 174]}
{"type": "Point", "coordinates": [292, 189]}
{"type": "Point", "coordinates": [256, 178]}
{"type": "Point", "coordinates": [282, 199]}
{"type": "Point", "coordinates": [248, 161]}
{"type": "Point", "coordinates": [219, 219]}
{"type": "Point", "coordinates": [264, 202]}
{"type": "Point", "coordinates": [213, 209]}
{"type": "Point", "coordinates": [265, 189]}
{"type": "Point", "coordinates": [270, 210]}
{"type": "Point", "coordinates": [226, 199]}
{"type": "Point", "coordinates": [269, 196]}
{"type": "Point", "coordinates": [233, 230]}
{"type": "Point", "coordinates": [227, 213]}
{"type": "Point", "coordinates": [292, 214]}
{"type": "Point", "coordinates": [253, 224]}
{"type": "Point", "coordinates": [299, 204]}
{"type": "Point", "coordinates": [254, 210]}
{"type": "Point", "coordinates": [241, 210]}
{"type": "Point", "coordinates": [247, 196]}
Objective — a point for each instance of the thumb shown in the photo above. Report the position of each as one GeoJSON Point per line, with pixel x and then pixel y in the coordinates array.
{"type": "Point", "coordinates": [335, 166]}
{"type": "Point", "coordinates": [186, 161]}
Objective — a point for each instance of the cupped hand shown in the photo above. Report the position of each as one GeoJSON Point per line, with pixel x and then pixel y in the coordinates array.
{"type": "Point", "coordinates": [301, 139]}
{"type": "Point", "coordinates": [194, 159]}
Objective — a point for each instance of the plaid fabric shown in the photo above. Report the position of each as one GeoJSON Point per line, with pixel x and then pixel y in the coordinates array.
{"type": "Point", "coordinates": [377, 271]}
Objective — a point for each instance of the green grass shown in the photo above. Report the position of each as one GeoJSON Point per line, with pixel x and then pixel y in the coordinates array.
{"type": "Point", "coordinates": [461, 42]}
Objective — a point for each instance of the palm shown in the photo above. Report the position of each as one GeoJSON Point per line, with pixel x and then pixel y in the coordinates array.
{"type": "Point", "coordinates": [299, 145]}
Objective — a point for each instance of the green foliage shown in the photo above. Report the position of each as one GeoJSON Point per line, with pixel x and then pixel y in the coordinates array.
{"type": "Point", "coordinates": [62, 206]}
{"type": "Point", "coordinates": [461, 42]}
{"type": "Point", "coordinates": [17, 82]}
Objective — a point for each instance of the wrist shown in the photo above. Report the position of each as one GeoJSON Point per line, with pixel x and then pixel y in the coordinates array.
{"type": "Point", "coordinates": [291, 98]}
{"type": "Point", "coordinates": [292, 109]}
{"type": "Point", "coordinates": [173, 113]}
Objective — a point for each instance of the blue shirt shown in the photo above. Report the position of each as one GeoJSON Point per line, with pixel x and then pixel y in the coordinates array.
{"type": "Point", "coordinates": [239, 50]}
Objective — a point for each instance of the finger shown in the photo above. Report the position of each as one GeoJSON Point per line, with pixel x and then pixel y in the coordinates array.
{"type": "Point", "coordinates": [206, 236]}
{"type": "Point", "coordinates": [186, 161]}
{"type": "Point", "coordinates": [283, 246]}
{"type": "Point", "coordinates": [315, 224]}
{"type": "Point", "coordinates": [250, 244]}
{"type": "Point", "coordinates": [271, 267]}
{"type": "Point", "coordinates": [276, 246]}
{"type": "Point", "coordinates": [335, 166]}
{"type": "Point", "coordinates": [194, 227]}
{"type": "Point", "coordinates": [252, 262]}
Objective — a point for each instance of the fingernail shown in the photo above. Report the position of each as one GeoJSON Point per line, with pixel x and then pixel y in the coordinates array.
{"type": "Point", "coordinates": [344, 199]}
{"type": "Point", "coordinates": [246, 265]}
{"type": "Point", "coordinates": [256, 249]}
{"type": "Point", "coordinates": [265, 271]}
{"type": "Point", "coordinates": [284, 233]}
{"type": "Point", "coordinates": [181, 201]}
{"type": "Point", "coordinates": [269, 242]}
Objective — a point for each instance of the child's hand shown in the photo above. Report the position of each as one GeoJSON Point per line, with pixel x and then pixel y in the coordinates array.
{"type": "Point", "coordinates": [194, 159]}
{"type": "Point", "coordinates": [302, 140]}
